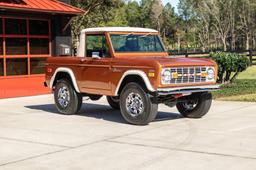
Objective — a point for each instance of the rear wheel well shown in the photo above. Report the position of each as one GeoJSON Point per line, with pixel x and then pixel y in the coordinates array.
{"type": "Point", "coordinates": [132, 78]}
{"type": "Point", "coordinates": [62, 75]}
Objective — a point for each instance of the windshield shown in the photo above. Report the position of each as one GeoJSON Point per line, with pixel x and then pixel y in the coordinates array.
{"type": "Point", "coordinates": [124, 43]}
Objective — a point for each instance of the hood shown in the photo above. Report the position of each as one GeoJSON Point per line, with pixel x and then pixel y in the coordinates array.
{"type": "Point", "coordinates": [170, 61]}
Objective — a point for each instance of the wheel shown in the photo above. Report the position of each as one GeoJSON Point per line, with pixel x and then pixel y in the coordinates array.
{"type": "Point", "coordinates": [113, 102]}
{"type": "Point", "coordinates": [67, 100]}
{"type": "Point", "coordinates": [136, 105]}
{"type": "Point", "coordinates": [196, 106]}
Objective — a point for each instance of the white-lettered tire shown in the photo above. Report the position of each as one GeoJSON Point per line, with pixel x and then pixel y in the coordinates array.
{"type": "Point", "coordinates": [196, 106]}
{"type": "Point", "coordinates": [113, 102]}
{"type": "Point", "coordinates": [67, 100]}
{"type": "Point", "coordinates": [136, 105]}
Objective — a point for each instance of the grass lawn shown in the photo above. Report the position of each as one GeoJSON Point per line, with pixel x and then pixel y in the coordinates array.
{"type": "Point", "coordinates": [244, 98]}
{"type": "Point", "coordinates": [250, 73]}
{"type": "Point", "coordinates": [242, 89]}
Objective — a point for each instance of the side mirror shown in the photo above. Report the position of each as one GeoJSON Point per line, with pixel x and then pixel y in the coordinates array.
{"type": "Point", "coordinates": [96, 55]}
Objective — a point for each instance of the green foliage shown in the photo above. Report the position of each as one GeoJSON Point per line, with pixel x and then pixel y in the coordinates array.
{"type": "Point", "coordinates": [169, 24]}
{"type": "Point", "coordinates": [219, 24]}
{"type": "Point", "coordinates": [147, 13]}
{"type": "Point", "coordinates": [98, 13]}
{"type": "Point", "coordinates": [205, 24]}
{"type": "Point", "coordinates": [228, 64]}
{"type": "Point", "coordinates": [238, 87]}
{"type": "Point", "coordinates": [117, 20]}
{"type": "Point", "coordinates": [250, 73]}
{"type": "Point", "coordinates": [242, 89]}
{"type": "Point", "coordinates": [133, 13]}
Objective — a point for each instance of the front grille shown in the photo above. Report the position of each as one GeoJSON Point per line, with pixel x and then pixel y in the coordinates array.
{"type": "Point", "coordinates": [188, 75]}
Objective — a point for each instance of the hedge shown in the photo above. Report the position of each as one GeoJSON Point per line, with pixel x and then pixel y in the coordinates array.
{"type": "Point", "coordinates": [229, 65]}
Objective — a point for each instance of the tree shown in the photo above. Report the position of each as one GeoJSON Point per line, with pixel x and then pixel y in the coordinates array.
{"type": "Point", "coordinates": [197, 14]}
{"type": "Point", "coordinates": [133, 13]}
{"type": "Point", "coordinates": [156, 14]}
{"type": "Point", "coordinates": [98, 12]}
{"type": "Point", "coordinates": [169, 24]}
{"type": "Point", "coordinates": [246, 14]}
{"type": "Point", "coordinates": [205, 24]}
{"type": "Point", "coordinates": [94, 13]}
{"type": "Point", "coordinates": [145, 7]}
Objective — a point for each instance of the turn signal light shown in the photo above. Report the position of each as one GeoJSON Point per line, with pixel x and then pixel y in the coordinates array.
{"type": "Point", "coordinates": [151, 74]}
{"type": "Point", "coordinates": [203, 74]}
{"type": "Point", "coordinates": [174, 75]}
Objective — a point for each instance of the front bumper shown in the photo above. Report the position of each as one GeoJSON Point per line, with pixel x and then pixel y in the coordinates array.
{"type": "Point", "coordinates": [186, 90]}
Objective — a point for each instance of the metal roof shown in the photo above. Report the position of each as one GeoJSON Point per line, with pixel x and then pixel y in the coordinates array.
{"type": "Point", "coordinates": [46, 6]}
{"type": "Point", "coordinates": [119, 29]}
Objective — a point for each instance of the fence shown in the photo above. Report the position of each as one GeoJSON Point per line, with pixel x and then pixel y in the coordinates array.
{"type": "Point", "coordinates": [251, 54]}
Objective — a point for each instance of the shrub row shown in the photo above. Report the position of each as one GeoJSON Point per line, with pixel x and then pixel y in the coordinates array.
{"type": "Point", "coordinates": [229, 65]}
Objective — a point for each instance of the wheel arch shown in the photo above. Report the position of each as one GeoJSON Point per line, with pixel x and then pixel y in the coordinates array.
{"type": "Point", "coordinates": [137, 76]}
{"type": "Point", "coordinates": [64, 72]}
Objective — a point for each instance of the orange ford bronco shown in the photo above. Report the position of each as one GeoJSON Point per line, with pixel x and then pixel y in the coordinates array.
{"type": "Point", "coordinates": [132, 68]}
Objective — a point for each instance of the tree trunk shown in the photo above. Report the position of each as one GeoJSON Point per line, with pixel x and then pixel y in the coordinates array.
{"type": "Point", "coordinates": [247, 42]}
{"type": "Point", "coordinates": [233, 41]}
{"type": "Point", "coordinates": [178, 43]}
{"type": "Point", "coordinates": [224, 44]}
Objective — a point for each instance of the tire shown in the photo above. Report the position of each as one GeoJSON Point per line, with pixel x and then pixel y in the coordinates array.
{"type": "Point", "coordinates": [67, 100]}
{"type": "Point", "coordinates": [203, 104]}
{"type": "Point", "coordinates": [114, 103]}
{"type": "Point", "coordinates": [145, 111]}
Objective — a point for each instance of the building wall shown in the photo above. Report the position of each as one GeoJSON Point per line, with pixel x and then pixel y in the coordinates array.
{"type": "Point", "coordinates": [30, 82]}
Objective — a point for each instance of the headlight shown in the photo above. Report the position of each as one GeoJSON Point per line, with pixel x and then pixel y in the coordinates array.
{"type": "Point", "coordinates": [166, 76]}
{"type": "Point", "coordinates": [210, 74]}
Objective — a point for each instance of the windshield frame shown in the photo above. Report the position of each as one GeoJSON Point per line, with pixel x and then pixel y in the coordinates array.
{"type": "Point", "coordinates": [137, 52]}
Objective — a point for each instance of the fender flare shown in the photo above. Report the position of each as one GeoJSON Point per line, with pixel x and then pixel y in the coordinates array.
{"type": "Point", "coordinates": [139, 73]}
{"type": "Point", "coordinates": [69, 72]}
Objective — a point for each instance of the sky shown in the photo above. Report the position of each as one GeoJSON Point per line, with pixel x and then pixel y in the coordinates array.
{"type": "Point", "coordinates": [173, 2]}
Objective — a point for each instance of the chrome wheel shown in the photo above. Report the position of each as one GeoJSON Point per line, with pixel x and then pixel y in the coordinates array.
{"type": "Point", "coordinates": [190, 105]}
{"type": "Point", "coordinates": [134, 104]}
{"type": "Point", "coordinates": [63, 97]}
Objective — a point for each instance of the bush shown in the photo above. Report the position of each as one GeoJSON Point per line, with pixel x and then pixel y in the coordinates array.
{"type": "Point", "coordinates": [229, 65]}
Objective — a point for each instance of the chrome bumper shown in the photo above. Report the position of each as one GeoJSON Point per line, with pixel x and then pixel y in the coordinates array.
{"type": "Point", "coordinates": [186, 90]}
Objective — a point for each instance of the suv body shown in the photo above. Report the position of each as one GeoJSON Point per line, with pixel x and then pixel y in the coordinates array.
{"type": "Point", "coordinates": [132, 68]}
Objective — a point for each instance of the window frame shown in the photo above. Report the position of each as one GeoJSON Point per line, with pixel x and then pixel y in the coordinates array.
{"type": "Point", "coordinates": [107, 43]}
{"type": "Point", "coordinates": [1, 58]}
{"type": "Point", "coordinates": [15, 34]}
{"type": "Point", "coordinates": [26, 69]}
{"type": "Point", "coordinates": [28, 56]}
{"type": "Point", "coordinates": [155, 36]}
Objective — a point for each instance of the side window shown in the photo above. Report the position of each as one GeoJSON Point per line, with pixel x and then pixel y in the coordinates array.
{"type": "Point", "coordinates": [97, 45]}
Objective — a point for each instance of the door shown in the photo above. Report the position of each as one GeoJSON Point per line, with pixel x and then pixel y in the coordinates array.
{"type": "Point", "coordinates": [96, 66]}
